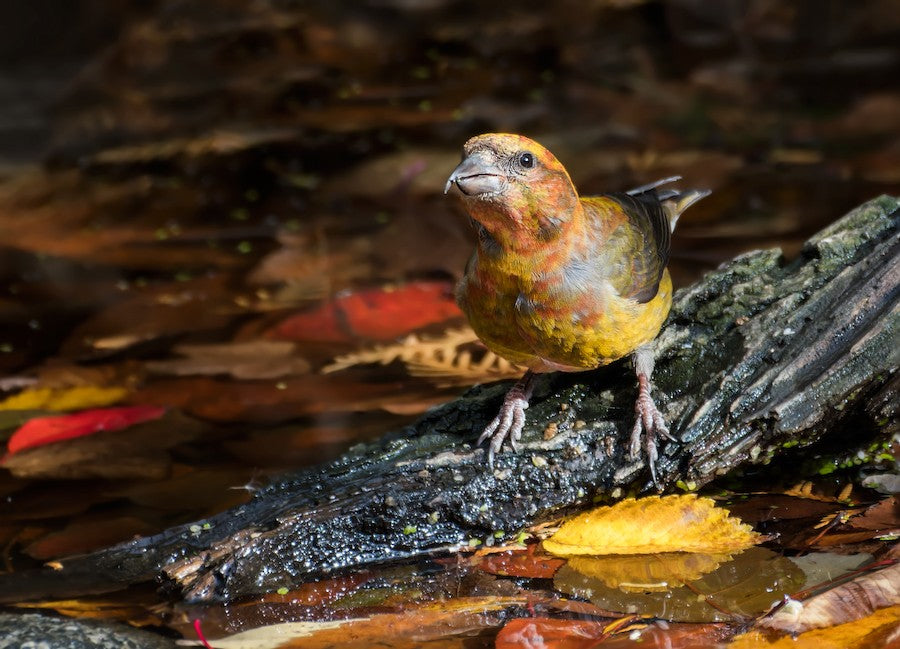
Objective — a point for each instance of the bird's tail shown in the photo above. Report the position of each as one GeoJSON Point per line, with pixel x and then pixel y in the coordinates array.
{"type": "Point", "coordinates": [673, 201]}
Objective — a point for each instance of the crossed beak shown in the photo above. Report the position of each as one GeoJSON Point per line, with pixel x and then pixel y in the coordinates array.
{"type": "Point", "coordinates": [476, 175]}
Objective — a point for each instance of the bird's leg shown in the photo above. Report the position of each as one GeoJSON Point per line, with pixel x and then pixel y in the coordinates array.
{"type": "Point", "coordinates": [510, 421]}
{"type": "Point", "coordinates": [647, 416]}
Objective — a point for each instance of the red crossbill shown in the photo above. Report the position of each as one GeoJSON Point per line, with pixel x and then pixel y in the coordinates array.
{"type": "Point", "coordinates": [560, 282]}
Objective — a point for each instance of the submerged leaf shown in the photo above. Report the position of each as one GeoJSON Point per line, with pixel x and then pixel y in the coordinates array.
{"type": "Point", "coordinates": [748, 585]}
{"type": "Point", "coordinates": [551, 633]}
{"type": "Point", "coordinates": [60, 400]}
{"type": "Point", "coordinates": [652, 525]}
{"type": "Point", "coordinates": [378, 314]}
{"type": "Point", "coordinates": [521, 563]}
{"type": "Point", "coordinates": [83, 536]}
{"type": "Point", "coordinates": [124, 607]}
{"type": "Point", "coordinates": [141, 453]}
{"type": "Point", "coordinates": [523, 633]}
{"type": "Point", "coordinates": [413, 627]}
{"type": "Point", "coordinates": [47, 430]}
{"type": "Point", "coordinates": [257, 359]}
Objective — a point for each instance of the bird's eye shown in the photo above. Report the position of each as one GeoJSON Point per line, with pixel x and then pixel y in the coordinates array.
{"type": "Point", "coordinates": [526, 160]}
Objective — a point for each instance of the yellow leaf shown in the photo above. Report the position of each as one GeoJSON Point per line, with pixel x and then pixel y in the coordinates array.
{"type": "Point", "coordinates": [642, 573]}
{"type": "Point", "coordinates": [127, 609]}
{"type": "Point", "coordinates": [60, 400]}
{"type": "Point", "coordinates": [876, 630]}
{"type": "Point", "coordinates": [652, 525]}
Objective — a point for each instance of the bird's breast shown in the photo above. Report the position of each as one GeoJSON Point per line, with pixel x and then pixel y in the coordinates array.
{"type": "Point", "coordinates": [557, 324]}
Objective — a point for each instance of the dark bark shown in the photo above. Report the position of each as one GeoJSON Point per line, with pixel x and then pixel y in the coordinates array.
{"type": "Point", "coordinates": [760, 358]}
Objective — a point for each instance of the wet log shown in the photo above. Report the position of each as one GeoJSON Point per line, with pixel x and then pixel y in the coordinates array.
{"type": "Point", "coordinates": [761, 359]}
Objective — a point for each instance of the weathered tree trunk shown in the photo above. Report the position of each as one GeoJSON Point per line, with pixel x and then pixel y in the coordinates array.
{"type": "Point", "coordinates": [757, 359]}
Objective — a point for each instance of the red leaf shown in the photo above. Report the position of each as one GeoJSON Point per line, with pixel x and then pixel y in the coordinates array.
{"type": "Point", "coordinates": [47, 430]}
{"type": "Point", "coordinates": [549, 633]}
{"type": "Point", "coordinates": [552, 634]}
{"type": "Point", "coordinates": [521, 563]}
{"type": "Point", "coordinates": [377, 314]}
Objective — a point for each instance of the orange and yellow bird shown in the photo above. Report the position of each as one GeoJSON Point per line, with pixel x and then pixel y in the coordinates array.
{"type": "Point", "coordinates": [560, 282]}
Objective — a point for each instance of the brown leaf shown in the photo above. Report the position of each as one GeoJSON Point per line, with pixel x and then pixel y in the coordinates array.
{"type": "Point", "coordinates": [521, 563]}
{"type": "Point", "coordinates": [551, 633]}
{"type": "Point", "coordinates": [83, 536]}
{"type": "Point", "coordinates": [257, 359]}
{"type": "Point", "coordinates": [130, 607]}
{"type": "Point", "coordinates": [152, 313]}
{"type": "Point", "coordinates": [882, 516]}
{"type": "Point", "coordinates": [416, 172]}
{"type": "Point", "coordinates": [881, 630]}
{"type": "Point", "coordinates": [777, 507]}
{"type": "Point", "coordinates": [662, 635]}
{"type": "Point", "coordinates": [851, 601]}
{"type": "Point", "coordinates": [278, 401]}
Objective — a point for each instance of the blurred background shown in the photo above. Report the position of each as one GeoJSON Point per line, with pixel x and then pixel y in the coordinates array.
{"type": "Point", "coordinates": [205, 203]}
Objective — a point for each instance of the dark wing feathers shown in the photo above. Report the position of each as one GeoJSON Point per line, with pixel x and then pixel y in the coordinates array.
{"type": "Point", "coordinates": [650, 246]}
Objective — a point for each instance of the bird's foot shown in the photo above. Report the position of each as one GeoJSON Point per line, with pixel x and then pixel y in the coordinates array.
{"type": "Point", "coordinates": [648, 419]}
{"type": "Point", "coordinates": [510, 421]}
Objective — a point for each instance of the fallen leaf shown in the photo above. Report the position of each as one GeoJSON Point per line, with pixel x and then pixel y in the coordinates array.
{"type": "Point", "coordinates": [653, 525]}
{"type": "Point", "coordinates": [455, 357]}
{"type": "Point", "coordinates": [159, 312]}
{"type": "Point", "coordinates": [531, 633]}
{"type": "Point", "coordinates": [521, 563]}
{"type": "Point", "coordinates": [413, 627]}
{"type": "Point", "coordinates": [748, 585]}
{"type": "Point", "coordinates": [377, 314]}
{"type": "Point", "coordinates": [319, 593]}
{"type": "Point", "coordinates": [222, 400]}
{"type": "Point", "coordinates": [63, 399]}
{"type": "Point", "coordinates": [523, 633]}
{"type": "Point", "coordinates": [851, 601]}
{"type": "Point", "coordinates": [662, 635]}
{"type": "Point", "coordinates": [779, 507]}
{"type": "Point", "coordinates": [47, 430]}
{"type": "Point", "coordinates": [882, 516]}
{"type": "Point", "coordinates": [881, 629]}
{"type": "Point", "coordinates": [79, 537]}
{"type": "Point", "coordinates": [141, 453]}
{"type": "Point", "coordinates": [124, 607]}
{"type": "Point", "coordinates": [258, 359]}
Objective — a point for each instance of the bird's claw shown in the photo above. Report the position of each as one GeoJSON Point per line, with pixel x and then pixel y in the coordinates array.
{"type": "Point", "coordinates": [509, 422]}
{"type": "Point", "coordinates": [650, 421]}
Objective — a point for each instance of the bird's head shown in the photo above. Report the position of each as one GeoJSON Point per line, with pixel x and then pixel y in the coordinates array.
{"type": "Point", "coordinates": [513, 186]}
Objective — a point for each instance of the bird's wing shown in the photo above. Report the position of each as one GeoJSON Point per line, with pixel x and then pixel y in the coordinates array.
{"type": "Point", "coordinates": [639, 248]}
